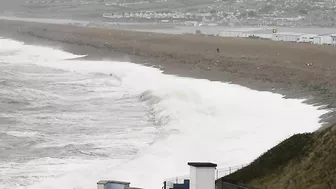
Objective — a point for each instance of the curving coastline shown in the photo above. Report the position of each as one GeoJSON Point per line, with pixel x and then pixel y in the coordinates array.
{"type": "Point", "coordinates": [295, 70]}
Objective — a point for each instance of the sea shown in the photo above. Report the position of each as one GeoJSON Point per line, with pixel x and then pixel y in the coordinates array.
{"type": "Point", "coordinates": [67, 122]}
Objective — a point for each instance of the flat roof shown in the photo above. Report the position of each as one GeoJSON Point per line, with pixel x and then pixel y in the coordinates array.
{"type": "Point", "coordinates": [289, 33]}
{"type": "Point", "coordinates": [310, 35]}
{"type": "Point", "coordinates": [324, 35]}
{"type": "Point", "coordinates": [113, 181]}
{"type": "Point", "coordinates": [202, 164]}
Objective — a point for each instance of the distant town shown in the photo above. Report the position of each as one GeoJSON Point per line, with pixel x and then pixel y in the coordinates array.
{"type": "Point", "coordinates": [239, 12]}
{"type": "Point", "coordinates": [285, 13]}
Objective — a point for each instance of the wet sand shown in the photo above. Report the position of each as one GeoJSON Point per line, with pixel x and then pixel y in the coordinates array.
{"type": "Point", "coordinates": [295, 70]}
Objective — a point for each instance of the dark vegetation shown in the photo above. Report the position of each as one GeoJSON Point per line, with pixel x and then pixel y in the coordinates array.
{"type": "Point", "coordinates": [302, 161]}
{"type": "Point", "coordinates": [275, 158]}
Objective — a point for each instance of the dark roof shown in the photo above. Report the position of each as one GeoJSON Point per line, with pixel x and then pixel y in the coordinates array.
{"type": "Point", "coordinates": [202, 164]}
{"type": "Point", "coordinates": [112, 181]}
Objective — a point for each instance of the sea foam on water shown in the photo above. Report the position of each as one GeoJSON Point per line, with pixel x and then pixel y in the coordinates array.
{"type": "Point", "coordinates": [94, 120]}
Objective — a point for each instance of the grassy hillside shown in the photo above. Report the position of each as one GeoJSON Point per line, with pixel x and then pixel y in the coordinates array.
{"type": "Point", "coordinates": [303, 161]}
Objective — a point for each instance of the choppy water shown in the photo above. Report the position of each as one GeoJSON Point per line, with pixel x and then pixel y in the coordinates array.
{"type": "Point", "coordinates": [66, 123]}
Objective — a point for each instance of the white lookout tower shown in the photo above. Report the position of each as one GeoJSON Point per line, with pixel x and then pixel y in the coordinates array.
{"type": "Point", "coordinates": [202, 175]}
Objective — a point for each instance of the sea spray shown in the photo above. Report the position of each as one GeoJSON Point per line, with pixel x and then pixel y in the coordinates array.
{"type": "Point", "coordinates": [83, 121]}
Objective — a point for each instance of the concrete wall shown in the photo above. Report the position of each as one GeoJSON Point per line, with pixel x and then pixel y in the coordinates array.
{"type": "Point", "coordinates": [206, 178]}
{"type": "Point", "coordinates": [202, 178]}
{"type": "Point", "coordinates": [193, 178]}
{"type": "Point", "coordinates": [100, 186]}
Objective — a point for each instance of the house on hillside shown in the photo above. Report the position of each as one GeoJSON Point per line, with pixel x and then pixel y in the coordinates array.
{"type": "Point", "coordinates": [287, 36]}
{"type": "Point", "coordinates": [325, 39]}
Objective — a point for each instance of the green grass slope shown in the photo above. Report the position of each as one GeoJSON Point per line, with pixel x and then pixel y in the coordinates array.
{"type": "Point", "coordinates": [303, 161]}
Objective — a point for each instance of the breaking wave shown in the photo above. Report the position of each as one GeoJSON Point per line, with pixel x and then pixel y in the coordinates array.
{"type": "Point", "coordinates": [90, 120]}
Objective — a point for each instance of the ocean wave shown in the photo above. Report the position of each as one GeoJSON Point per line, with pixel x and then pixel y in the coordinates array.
{"type": "Point", "coordinates": [22, 133]}
{"type": "Point", "coordinates": [137, 116]}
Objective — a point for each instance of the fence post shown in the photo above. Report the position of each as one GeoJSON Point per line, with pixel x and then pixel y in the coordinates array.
{"type": "Point", "coordinates": [216, 174]}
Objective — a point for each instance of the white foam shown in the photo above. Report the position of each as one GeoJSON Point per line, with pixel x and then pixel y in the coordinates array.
{"type": "Point", "coordinates": [44, 169]}
{"type": "Point", "coordinates": [22, 133]}
{"type": "Point", "coordinates": [200, 120]}
{"type": "Point", "coordinates": [18, 52]}
{"type": "Point", "coordinates": [9, 46]}
{"type": "Point", "coordinates": [45, 20]}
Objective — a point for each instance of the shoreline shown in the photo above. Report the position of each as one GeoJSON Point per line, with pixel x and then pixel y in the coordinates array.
{"type": "Point", "coordinates": [294, 70]}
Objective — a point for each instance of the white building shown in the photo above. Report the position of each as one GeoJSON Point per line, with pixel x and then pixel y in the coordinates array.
{"type": "Point", "coordinates": [202, 175]}
{"type": "Point", "coordinates": [234, 33]}
{"type": "Point", "coordinates": [265, 33]}
{"type": "Point", "coordinates": [323, 40]}
{"type": "Point", "coordinates": [287, 36]}
{"type": "Point", "coordinates": [248, 32]}
{"type": "Point", "coordinates": [333, 37]}
{"type": "Point", "coordinates": [307, 38]}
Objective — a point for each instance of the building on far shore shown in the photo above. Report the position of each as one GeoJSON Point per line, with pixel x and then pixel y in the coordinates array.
{"type": "Point", "coordinates": [287, 36]}
{"type": "Point", "coordinates": [333, 37]}
{"type": "Point", "coordinates": [234, 33]}
{"type": "Point", "coordinates": [201, 176]}
{"type": "Point", "coordinates": [325, 39]}
{"type": "Point", "coordinates": [263, 33]}
{"type": "Point", "coordinates": [307, 38]}
{"type": "Point", "coordinates": [254, 32]}
{"type": "Point", "coordinates": [272, 34]}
